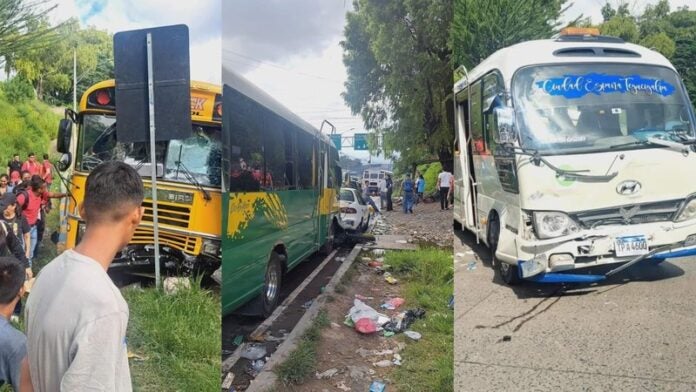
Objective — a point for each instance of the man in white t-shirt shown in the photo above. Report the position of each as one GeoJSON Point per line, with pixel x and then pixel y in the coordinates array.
{"type": "Point", "coordinates": [444, 180]}
{"type": "Point", "coordinates": [76, 318]}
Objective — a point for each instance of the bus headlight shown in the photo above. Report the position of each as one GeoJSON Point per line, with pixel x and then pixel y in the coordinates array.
{"type": "Point", "coordinates": [211, 247]}
{"type": "Point", "coordinates": [551, 224]}
{"type": "Point", "coordinates": [688, 212]}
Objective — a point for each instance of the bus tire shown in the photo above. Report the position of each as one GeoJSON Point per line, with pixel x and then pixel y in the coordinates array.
{"type": "Point", "coordinates": [508, 273]}
{"type": "Point", "coordinates": [492, 235]}
{"type": "Point", "coordinates": [329, 244]}
{"type": "Point", "coordinates": [271, 285]}
{"type": "Point", "coordinates": [456, 225]}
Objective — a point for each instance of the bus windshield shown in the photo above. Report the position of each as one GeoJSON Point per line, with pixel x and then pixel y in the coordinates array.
{"type": "Point", "coordinates": [567, 108]}
{"type": "Point", "coordinates": [197, 157]}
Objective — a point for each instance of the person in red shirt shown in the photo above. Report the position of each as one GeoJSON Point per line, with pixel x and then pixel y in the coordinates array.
{"type": "Point", "coordinates": [47, 171]}
{"type": "Point", "coordinates": [31, 165]}
{"type": "Point", "coordinates": [46, 207]}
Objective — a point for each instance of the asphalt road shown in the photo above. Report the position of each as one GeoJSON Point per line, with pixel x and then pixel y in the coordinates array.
{"type": "Point", "coordinates": [634, 332]}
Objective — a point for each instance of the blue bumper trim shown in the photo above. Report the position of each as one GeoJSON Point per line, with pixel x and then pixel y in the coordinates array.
{"type": "Point", "coordinates": [554, 277]}
{"type": "Point", "coordinates": [676, 253]}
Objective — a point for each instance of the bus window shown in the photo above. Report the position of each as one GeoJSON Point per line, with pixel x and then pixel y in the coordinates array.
{"type": "Point", "coordinates": [290, 149]}
{"type": "Point", "coordinates": [492, 85]}
{"type": "Point", "coordinates": [305, 152]}
{"type": "Point", "coordinates": [245, 147]}
{"type": "Point", "coordinates": [476, 119]}
{"type": "Point", "coordinates": [274, 150]}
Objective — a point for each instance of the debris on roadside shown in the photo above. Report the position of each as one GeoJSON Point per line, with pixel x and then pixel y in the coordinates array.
{"type": "Point", "coordinates": [340, 259]}
{"type": "Point", "coordinates": [363, 298]}
{"type": "Point", "coordinates": [326, 374]}
{"type": "Point", "coordinates": [365, 326]}
{"type": "Point", "coordinates": [383, 363]}
{"type": "Point", "coordinates": [390, 279]}
{"type": "Point", "coordinates": [471, 266]}
{"type": "Point", "coordinates": [227, 382]}
{"type": "Point", "coordinates": [378, 252]}
{"type": "Point", "coordinates": [413, 335]}
{"type": "Point", "coordinates": [253, 351]}
{"type": "Point", "coordinates": [393, 303]}
{"type": "Point", "coordinates": [403, 320]}
{"type": "Point", "coordinates": [238, 340]}
{"type": "Point", "coordinates": [375, 264]}
{"type": "Point", "coordinates": [378, 386]}
{"type": "Point", "coordinates": [307, 304]}
{"type": "Point", "coordinates": [451, 302]}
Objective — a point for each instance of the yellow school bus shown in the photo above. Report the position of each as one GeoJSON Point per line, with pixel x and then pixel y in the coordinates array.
{"type": "Point", "coordinates": [188, 185]}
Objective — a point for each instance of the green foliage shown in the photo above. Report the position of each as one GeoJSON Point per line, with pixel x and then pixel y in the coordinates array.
{"type": "Point", "coordinates": [426, 278]}
{"type": "Point", "coordinates": [179, 335]}
{"type": "Point", "coordinates": [17, 90]}
{"type": "Point", "coordinates": [430, 172]}
{"type": "Point", "coordinates": [400, 74]}
{"type": "Point", "coordinates": [481, 27]}
{"type": "Point", "coordinates": [622, 27]}
{"type": "Point", "coordinates": [25, 127]}
{"type": "Point", "coordinates": [301, 363]}
{"type": "Point", "coordinates": [661, 43]}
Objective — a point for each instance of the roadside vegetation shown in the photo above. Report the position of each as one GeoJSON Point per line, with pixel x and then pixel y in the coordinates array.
{"type": "Point", "coordinates": [302, 362]}
{"type": "Point", "coordinates": [426, 281]}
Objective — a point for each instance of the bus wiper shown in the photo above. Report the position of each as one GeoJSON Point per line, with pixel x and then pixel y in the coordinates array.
{"type": "Point", "coordinates": [537, 159]}
{"type": "Point", "coordinates": [679, 146]}
{"type": "Point", "coordinates": [191, 179]}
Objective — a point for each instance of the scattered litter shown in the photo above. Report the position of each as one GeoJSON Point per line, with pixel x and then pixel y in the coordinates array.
{"type": "Point", "coordinates": [507, 338]}
{"type": "Point", "coordinates": [413, 335]}
{"type": "Point", "coordinates": [397, 360]}
{"type": "Point", "coordinates": [403, 320]}
{"type": "Point", "coordinates": [363, 353]}
{"type": "Point", "coordinates": [340, 259]}
{"type": "Point", "coordinates": [451, 302]}
{"type": "Point", "coordinates": [374, 264]}
{"type": "Point", "coordinates": [378, 252]}
{"type": "Point", "coordinates": [362, 297]}
{"type": "Point", "coordinates": [383, 352]}
{"type": "Point", "coordinates": [349, 322]}
{"type": "Point", "coordinates": [459, 254]}
{"type": "Point", "coordinates": [255, 367]}
{"type": "Point", "coordinates": [365, 259]}
{"type": "Point", "coordinates": [326, 374]}
{"type": "Point", "coordinates": [378, 386]}
{"type": "Point", "coordinates": [393, 303]}
{"type": "Point", "coordinates": [238, 340]}
{"type": "Point", "coordinates": [253, 351]}
{"type": "Point", "coordinates": [227, 352]}
{"type": "Point", "coordinates": [334, 325]}
{"type": "Point", "coordinates": [307, 304]}
{"type": "Point", "coordinates": [342, 386]}
{"type": "Point", "coordinates": [361, 310]}
{"type": "Point", "coordinates": [359, 373]}
{"type": "Point", "coordinates": [401, 242]}
{"type": "Point", "coordinates": [366, 326]}
{"type": "Point", "coordinates": [388, 334]}
{"type": "Point", "coordinates": [173, 284]}
{"type": "Point", "coordinates": [136, 357]}
{"type": "Point", "coordinates": [471, 266]}
{"type": "Point", "coordinates": [229, 379]}
{"type": "Point", "coordinates": [322, 289]}
{"type": "Point", "coordinates": [271, 338]}
{"type": "Point", "coordinates": [389, 278]}
{"type": "Point", "coordinates": [383, 363]}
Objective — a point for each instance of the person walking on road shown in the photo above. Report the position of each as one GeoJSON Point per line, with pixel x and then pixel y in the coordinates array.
{"type": "Point", "coordinates": [408, 189]}
{"type": "Point", "coordinates": [47, 171]}
{"type": "Point", "coordinates": [76, 318]}
{"type": "Point", "coordinates": [15, 165]}
{"type": "Point", "coordinates": [32, 166]}
{"type": "Point", "coordinates": [390, 187]}
{"type": "Point", "coordinates": [444, 179]}
{"type": "Point", "coordinates": [368, 199]}
{"type": "Point", "coordinates": [420, 187]}
{"type": "Point", "coordinates": [5, 186]}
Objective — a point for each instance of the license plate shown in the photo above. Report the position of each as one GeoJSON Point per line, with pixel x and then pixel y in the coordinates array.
{"type": "Point", "coordinates": [634, 245]}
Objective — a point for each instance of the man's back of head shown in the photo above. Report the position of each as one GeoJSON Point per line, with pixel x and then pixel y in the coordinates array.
{"type": "Point", "coordinates": [12, 276]}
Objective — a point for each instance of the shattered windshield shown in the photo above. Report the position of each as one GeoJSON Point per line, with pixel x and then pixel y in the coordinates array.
{"type": "Point", "coordinates": [561, 108]}
{"type": "Point", "coordinates": [197, 157]}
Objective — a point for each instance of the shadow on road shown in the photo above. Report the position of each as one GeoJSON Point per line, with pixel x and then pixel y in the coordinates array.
{"type": "Point", "coordinates": [641, 272]}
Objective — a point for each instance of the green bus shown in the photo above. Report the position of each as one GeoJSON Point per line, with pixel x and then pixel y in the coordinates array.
{"type": "Point", "coordinates": [279, 195]}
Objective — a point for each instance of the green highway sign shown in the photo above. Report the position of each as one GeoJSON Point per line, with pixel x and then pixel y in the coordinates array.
{"type": "Point", "coordinates": [360, 142]}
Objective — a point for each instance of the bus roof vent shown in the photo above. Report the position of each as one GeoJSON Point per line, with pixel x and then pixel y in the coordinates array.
{"type": "Point", "coordinates": [595, 52]}
{"type": "Point", "coordinates": [589, 38]}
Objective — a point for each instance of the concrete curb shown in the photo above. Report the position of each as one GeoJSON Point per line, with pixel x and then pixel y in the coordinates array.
{"type": "Point", "coordinates": [267, 378]}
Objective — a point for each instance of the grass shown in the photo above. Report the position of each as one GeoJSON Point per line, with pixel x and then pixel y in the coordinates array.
{"type": "Point", "coordinates": [301, 363]}
{"type": "Point", "coordinates": [426, 280]}
{"type": "Point", "coordinates": [179, 337]}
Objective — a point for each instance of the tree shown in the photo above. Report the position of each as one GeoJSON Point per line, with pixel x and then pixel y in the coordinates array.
{"type": "Point", "coordinates": [20, 26]}
{"type": "Point", "coordinates": [400, 74]}
{"type": "Point", "coordinates": [481, 27]}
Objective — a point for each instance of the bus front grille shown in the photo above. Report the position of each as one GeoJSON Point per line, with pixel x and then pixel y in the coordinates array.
{"type": "Point", "coordinates": [182, 242]}
{"type": "Point", "coordinates": [630, 214]}
{"type": "Point", "coordinates": [168, 214]}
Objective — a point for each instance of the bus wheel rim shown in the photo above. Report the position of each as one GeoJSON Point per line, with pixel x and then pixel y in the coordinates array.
{"type": "Point", "coordinates": [272, 285]}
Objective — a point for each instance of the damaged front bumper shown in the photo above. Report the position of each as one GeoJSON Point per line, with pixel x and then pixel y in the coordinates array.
{"type": "Point", "coordinates": [140, 259]}
{"type": "Point", "coordinates": [553, 260]}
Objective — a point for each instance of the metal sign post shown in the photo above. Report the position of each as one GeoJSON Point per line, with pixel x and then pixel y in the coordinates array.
{"type": "Point", "coordinates": [153, 158]}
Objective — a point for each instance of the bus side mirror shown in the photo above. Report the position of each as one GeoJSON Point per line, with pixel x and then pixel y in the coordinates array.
{"type": "Point", "coordinates": [504, 125]}
{"type": "Point", "coordinates": [64, 135]}
{"type": "Point", "coordinates": [64, 162]}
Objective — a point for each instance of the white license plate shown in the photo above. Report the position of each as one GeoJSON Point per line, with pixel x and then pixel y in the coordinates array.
{"type": "Point", "coordinates": [634, 245]}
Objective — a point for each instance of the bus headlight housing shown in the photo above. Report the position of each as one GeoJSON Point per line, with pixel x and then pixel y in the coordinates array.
{"type": "Point", "coordinates": [688, 212]}
{"type": "Point", "coordinates": [211, 248]}
{"type": "Point", "coordinates": [552, 224]}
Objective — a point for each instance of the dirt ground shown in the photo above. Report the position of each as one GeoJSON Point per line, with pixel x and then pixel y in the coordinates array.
{"type": "Point", "coordinates": [427, 224]}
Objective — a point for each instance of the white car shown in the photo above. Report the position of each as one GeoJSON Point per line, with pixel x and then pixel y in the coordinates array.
{"type": "Point", "coordinates": [355, 213]}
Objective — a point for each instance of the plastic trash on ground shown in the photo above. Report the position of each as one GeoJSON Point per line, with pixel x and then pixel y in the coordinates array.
{"type": "Point", "coordinates": [393, 303]}
{"type": "Point", "coordinates": [362, 310]}
{"type": "Point", "coordinates": [378, 386]}
{"type": "Point", "coordinates": [366, 326]}
{"type": "Point", "coordinates": [403, 320]}
{"type": "Point", "coordinates": [253, 352]}
{"type": "Point", "coordinates": [413, 335]}
{"type": "Point", "coordinates": [389, 278]}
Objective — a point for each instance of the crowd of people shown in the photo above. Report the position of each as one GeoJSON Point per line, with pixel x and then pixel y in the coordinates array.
{"type": "Point", "coordinates": [75, 318]}
{"type": "Point", "coordinates": [413, 191]}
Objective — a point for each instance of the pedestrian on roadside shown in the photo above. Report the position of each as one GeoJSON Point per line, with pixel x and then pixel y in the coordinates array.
{"type": "Point", "coordinates": [76, 318]}
{"type": "Point", "coordinates": [31, 165]}
{"type": "Point", "coordinates": [46, 207]}
{"type": "Point", "coordinates": [444, 180]}
{"type": "Point", "coordinates": [420, 187]}
{"type": "Point", "coordinates": [14, 165]}
{"type": "Point", "coordinates": [47, 171]}
{"type": "Point", "coordinates": [408, 189]}
{"type": "Point", "coordinates": [368, 199]}
{"type": "Point", "coordinates": [5, 185]}
{"type": "Point", "coordinates": [382, 192]}
{"type": "Point", "coordinates": [390, 187]}
{"type": "Point", "coordinates": [29, 199]}
{"type": "Point", "coordinates": [14, 367]}
{"type": "Point", "coordinates": [15, 236]}
{"type": "Point", "coordinates": [15, 179]}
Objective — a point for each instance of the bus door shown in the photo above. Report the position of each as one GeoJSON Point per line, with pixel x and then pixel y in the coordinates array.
{"type": "Point", "coordinates": [322, 164]}
{"type": "Point", "coordinates": [466, 186]}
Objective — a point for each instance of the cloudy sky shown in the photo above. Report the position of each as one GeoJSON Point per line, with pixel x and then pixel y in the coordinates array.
{"type": "Point", "coordinates": [201, 16]}
{"type": "Point", "coordinates": [291, 50]}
